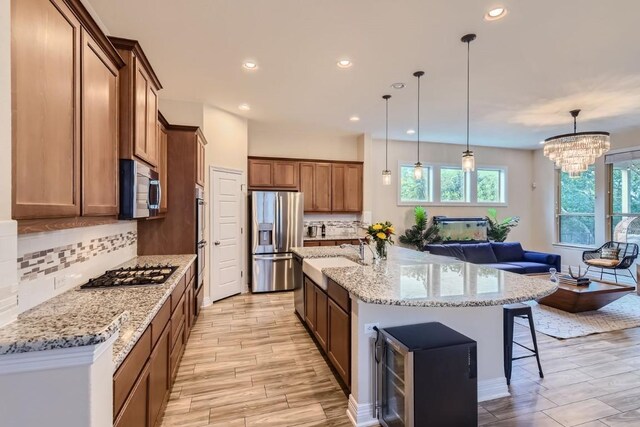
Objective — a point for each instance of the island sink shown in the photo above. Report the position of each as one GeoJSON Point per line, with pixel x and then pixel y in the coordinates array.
{"type": "Point", "coordinates": [312, 267]}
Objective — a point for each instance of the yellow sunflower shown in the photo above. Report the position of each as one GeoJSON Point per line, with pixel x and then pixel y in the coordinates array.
{"type": "Point", "coordinates": [381, 236]}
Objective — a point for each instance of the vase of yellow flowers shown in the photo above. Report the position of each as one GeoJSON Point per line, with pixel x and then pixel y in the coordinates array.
{"type": "Point", "coordinates": [381, 233]}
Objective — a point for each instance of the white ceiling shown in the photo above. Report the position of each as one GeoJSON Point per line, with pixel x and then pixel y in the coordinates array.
{"type": "Point", "coordinates": [529, 69]}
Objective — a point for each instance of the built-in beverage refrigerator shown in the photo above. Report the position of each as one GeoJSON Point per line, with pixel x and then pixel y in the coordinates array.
{"type": "Point", "coordinates": [426, 376]}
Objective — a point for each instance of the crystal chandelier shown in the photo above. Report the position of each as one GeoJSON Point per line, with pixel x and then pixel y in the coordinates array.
{"type": "Point", "coordinates": [574, 152]}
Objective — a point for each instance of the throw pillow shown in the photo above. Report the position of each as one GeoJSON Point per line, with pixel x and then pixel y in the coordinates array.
{"type": "Point", "coordinates": [610, 253]}
{"type": "Point", "coordinates": [480, 253]}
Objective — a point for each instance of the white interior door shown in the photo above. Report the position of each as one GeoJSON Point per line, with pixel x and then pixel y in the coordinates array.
{"type": "Point", "coordinates": [226, 233]}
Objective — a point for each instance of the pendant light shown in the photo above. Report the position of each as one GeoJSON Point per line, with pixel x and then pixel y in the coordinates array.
{"type": "Point", "coordinates": [386, 173]}
{"type": "Point", "coordinates": [417, 168]}
{"type": "Point", "coordinates": [575, 152]}
{"type": "Point", "coordinates": [468, 160]}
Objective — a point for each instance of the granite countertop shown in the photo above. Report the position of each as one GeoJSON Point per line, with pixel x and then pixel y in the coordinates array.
{"type": "Point", "coordinates": [411, 278]}
{"type": "Point", "coordinates": [80, 317]}
{"type": "Point", "coordinates": [350, 252]}
{"type": "Point", "coordinates": [351, 236]}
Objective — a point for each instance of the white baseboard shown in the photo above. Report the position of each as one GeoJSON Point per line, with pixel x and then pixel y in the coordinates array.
{"type": "Point", "coordinates": [493, 388]}
{"type": "Point", "coordinates": [361, 415]}
{"type": "Point", "coordinates": [206, 302]}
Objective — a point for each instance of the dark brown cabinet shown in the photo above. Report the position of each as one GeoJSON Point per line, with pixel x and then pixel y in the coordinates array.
{"type": "Point", "coordinates": [142, 382]}
{"type": "Point", "coordinates": [312, 243]}
{"type": "Point", "coordinates": [346, 187]}
{"type": "Point", "coordinates": [328, 317]}
{"type": "Point", "coordinates": [64, 144]}
{"type": "Point", "coordinates": [162, 167]}
{"type": "Point", "coordinates": [99, 131]}
{"type": "Point", "coordinates": [138, 115]}
{"type": "Point", "coordinates": [273, 174]}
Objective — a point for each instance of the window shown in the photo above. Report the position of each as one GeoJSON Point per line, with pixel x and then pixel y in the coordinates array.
{"type": "Point", "coordinates": [624, 184]}
{"type": "Point", "coordinates": [414, 191]}
{"type": "Point", "coordinates": [576, 208]}
{"type": "Point", "coordinates": [491, 186]}
{"type": "Point", "coordinates": [453, 185]}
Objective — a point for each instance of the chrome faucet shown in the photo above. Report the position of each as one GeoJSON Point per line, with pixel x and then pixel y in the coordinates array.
{"type": "Point", "coordinates": [361, 245]}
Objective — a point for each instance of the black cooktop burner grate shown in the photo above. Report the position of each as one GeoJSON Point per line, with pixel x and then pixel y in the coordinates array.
{"type": "Point", "coordinates": [138, 275]}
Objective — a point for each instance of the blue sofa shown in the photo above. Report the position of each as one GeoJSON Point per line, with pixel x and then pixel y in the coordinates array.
{"type": "Point", "coordinates": [508, 256]}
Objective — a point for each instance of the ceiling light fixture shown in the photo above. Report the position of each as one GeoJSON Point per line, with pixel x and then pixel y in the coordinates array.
{"type": "Point", "coordinates": [398, 85]}
{"type": "Point", "coordinates": [417, 168]}
{"type": "Point", "coordinates": [575, 152]}
{"type": "Point", "coordinates": [344, 63]}
{"type": "Point", "coordinates": [244, 107]}
{"type": "Point", "coordinates": [410, 132]}
{"type": "Point", "coordinates": [495, 14]}
{"type": "Point", "coordinates": [386, 173]}
{"type": "Point", "coordinates": [468, 160]}
{"type": "Point", "coordinates": [250, 65]}
{"type": "Point", "coordinates": [354, 119]}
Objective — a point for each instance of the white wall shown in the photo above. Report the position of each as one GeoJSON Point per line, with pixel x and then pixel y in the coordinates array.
{"type": "Point", "coordinates": [8, 231]}
{"type": "Point", "coordinates": [303, 142]}
{"type": "Point", "coordinates": [519, 179]}
{"type": "Point", "coordinates": [181, 112]}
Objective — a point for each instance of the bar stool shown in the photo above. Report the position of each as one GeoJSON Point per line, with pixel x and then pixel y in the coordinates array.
{"type": "Point", "coordinates": [510, 312]}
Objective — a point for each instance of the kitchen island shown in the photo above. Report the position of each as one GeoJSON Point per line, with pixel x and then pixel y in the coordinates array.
{"type": "Point", "coordinates": [412, 287]}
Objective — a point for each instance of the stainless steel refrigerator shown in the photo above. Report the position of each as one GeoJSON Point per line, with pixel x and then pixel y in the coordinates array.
{"type": "Point", "coordinates": [276, 227]}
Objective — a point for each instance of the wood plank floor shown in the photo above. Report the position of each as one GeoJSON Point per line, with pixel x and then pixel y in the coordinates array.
{"type": "Point", "coordinates": [249, 362]}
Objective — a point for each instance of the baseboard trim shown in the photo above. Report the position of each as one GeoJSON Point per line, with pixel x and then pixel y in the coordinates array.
{"type": "Point", "coordinates": [493, 388]}
{"type": "Point", "coordinates": [206, 302]}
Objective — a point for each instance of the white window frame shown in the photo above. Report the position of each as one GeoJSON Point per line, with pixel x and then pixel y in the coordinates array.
{"type": "Point", "coordinates": [471, 185]}
{"type": "Point", "coordinates": [466, 189]}
{"type": "Point", "coordinates": [558, 215]}
{"type": "Point", "coordinates": [428, 169]}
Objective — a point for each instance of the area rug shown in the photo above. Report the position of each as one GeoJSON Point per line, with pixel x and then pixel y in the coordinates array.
{"type": "Point", "coordinates": [621, 314]}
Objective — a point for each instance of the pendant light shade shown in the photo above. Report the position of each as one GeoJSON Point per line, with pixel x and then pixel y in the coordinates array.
{"type": "Point", "coordinates": [386, 173]}
{"type": "Point", "coordinates": [417, 167]}
{"type": "Point", "coordinates": [574, 152]}
{"type": "Point", "coordinates": [468, 160]}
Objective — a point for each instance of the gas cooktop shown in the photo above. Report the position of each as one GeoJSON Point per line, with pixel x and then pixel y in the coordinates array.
{"type": "Point", "coordinates": [137, 275]}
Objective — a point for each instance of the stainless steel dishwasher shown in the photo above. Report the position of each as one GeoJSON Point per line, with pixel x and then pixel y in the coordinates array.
{"type": "Point", "coordinates": [298, 285]}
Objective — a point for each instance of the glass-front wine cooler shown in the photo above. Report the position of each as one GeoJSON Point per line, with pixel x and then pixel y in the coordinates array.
{"type": "Point", "coordinates": [426, 376]}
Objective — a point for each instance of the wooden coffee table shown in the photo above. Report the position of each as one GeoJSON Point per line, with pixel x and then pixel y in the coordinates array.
{"type": "Point", "coordinates": [576, 299]}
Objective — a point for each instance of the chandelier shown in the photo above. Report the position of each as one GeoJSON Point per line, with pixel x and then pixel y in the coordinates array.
{"type": "Point", "coordinates": [574, 152]}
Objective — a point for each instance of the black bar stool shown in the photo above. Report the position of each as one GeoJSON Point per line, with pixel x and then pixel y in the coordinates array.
{"type": "Point", "coordinates": [522, 311]}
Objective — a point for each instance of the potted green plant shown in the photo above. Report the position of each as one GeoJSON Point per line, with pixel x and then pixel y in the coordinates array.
{"type": "Point", "coordinates": [421, 233]}
{"type": "Point", "coordinates": [498, 230]}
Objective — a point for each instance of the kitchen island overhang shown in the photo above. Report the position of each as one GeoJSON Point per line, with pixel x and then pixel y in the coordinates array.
{"type": "Point", "coordinates": [413, 287]}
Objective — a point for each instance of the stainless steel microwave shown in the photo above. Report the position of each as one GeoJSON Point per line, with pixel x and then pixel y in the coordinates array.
{"type": "Point", "coordinates": [140, 191]}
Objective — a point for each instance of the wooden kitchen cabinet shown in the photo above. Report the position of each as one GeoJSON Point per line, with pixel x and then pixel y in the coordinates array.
{"type": "Point", "coordinates": [315, 183]}
{"type": "Point", "coordinates": [339, 339]}
{"type": "Point", "coordinates": [138, 116]}
{"type": "Point", "coordinates": [273, 174]}
{"type": "Point", "coordinates": [135, 411]}
{"type": "Point", "coordinates": [321, 324]}
{"type": "Point", "coordinates": [346, 187]}
{"type": "Point", "coordinates": [159, 380]}
{"type": "Point", "coordinates": [99, 131]}
{"type": "Point", "coordinates": [200, 160]}
{"type": "Point", "coordinates": [310, 303]}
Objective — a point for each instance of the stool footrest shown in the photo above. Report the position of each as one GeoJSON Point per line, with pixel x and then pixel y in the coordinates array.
{"type": "Point", "coordinates": [525, 347]}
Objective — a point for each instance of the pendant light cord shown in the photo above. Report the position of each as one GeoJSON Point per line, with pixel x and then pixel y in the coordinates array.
{"type": "Point", "coordinates": [418, 119]}
{"type": "Point", "coordinates": [386, 137]}
{"type": "Point", "coordinates": [468, 84]}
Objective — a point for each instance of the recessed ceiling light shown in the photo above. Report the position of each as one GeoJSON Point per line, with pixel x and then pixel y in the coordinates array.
{"type": "Point", "coordinates": [495, 14]}
{"type": "Point", "coordinates": [398, 85]}
{"type": "Point", "coordinates": [411, 132]}
{"type": "Point", "coordinates": [344, 63]}
{"type": "Point", "coordinates": [244, 107]}
{"type": "Point", "coordinates": [354, 118]}
{"type": "Point", "coordinates": [250, 65]}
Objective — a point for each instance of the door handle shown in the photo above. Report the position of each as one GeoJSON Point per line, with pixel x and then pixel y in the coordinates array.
{"type": "Point", "coordinates": [217, 243]}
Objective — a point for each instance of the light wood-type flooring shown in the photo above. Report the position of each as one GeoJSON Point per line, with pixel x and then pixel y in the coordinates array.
{"type": "Point", "coordinates": [250, 362]}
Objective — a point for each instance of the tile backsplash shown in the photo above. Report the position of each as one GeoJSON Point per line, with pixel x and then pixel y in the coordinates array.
{"type": "Point", "coordinates": [336, 227]}
{"type": "Point", "coordinates": [53, 262]}
{"type": "Point", "coordinates": [47, 261]}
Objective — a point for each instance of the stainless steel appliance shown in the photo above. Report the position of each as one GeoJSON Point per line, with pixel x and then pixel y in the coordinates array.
{"type": "Point", "coordinates": [136, 275]}
{"type": "Point", "coordinates": [201, 243]}
{"type": "Point", "coordinates": [140, 191]}
{"type": "Point", "coordinates": [276, 227]}
{"type": "Point", "coordinates": [312, 231]}
{"type": "Point", "coordinates": [426, 376]}
{"type": "Point", "coordinates": [298, 286]}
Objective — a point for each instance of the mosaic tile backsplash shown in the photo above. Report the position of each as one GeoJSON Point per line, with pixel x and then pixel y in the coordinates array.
{"type": "Point", "coordinates": [336, 228]}
{"type": "Point", "coordinates": [41, 263]}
